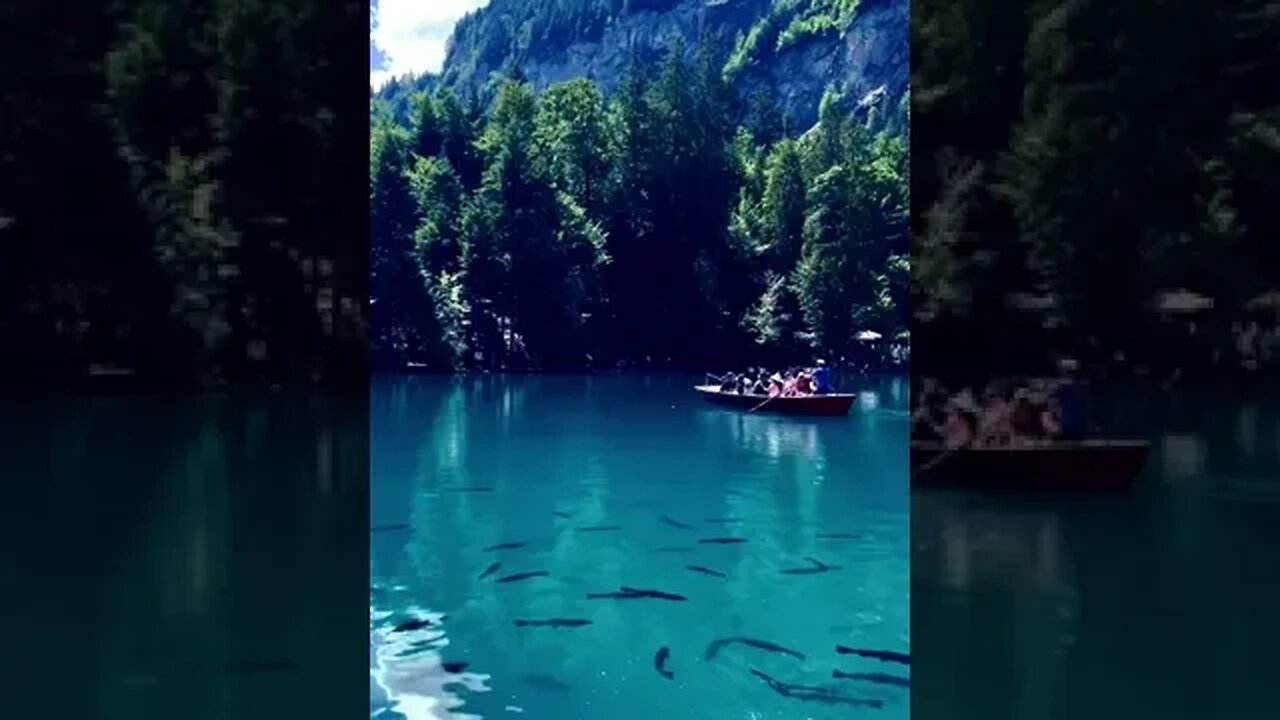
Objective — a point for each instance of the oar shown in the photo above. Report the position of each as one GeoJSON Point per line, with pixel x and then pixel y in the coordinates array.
{"type": "Point", "coordinates": [941, 458]}
{"type": "Point", "coordinates": [936, 461]}
{"type": "Point", "coordinates": [766, 402]}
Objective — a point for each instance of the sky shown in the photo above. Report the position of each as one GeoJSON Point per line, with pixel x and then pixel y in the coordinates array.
{"type": "Point", "coordinates": [408, 36]}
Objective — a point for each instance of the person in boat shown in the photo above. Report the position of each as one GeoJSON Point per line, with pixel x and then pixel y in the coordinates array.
{"type": "Point", "coordinates": [759, 385]}
{"type": "Point", "coordinates": [822, 378]}
{"type": "Point", "coordinates": [1070, 400]}
{"type": "Point", "coordinates": [796, 382]}
{"type": "Point", "coordinates": [1050, 419]}
{"type": "Point", "coordinates": [734, 382]}
{"type": "Point", "coordinates": [774, 388]}
{"type": "Point", "coordinates": [788, 383]}
{"type": "Point", "coordinates": [995, 426]}
{"type": "Point", "coordinates": [804, 383]}
{"type": "Point", "coordinates": [1028, 417]}
{"type": "Point", "coordinates": [729, 383]}
{"type": "Point", "coordinates": [959, 429]}
{"type": "Point", "coordinates": [930, 416]}
{"type": "Point", "coordinates": [1050, 412]}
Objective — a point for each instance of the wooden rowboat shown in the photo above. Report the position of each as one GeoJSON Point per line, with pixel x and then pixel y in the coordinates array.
{"type": "Point", "coordinates": [831, 404]}
{"type": "Point", "coordinates": [1087, 465]}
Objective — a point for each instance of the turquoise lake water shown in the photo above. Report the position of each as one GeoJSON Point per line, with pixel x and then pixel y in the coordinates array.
{"type": "Point", "coordinates": [1156, 603]}
{"type": "Point", "coordinates": [611, 482]}
{"type": "Point", "coordinates": [197, 557]}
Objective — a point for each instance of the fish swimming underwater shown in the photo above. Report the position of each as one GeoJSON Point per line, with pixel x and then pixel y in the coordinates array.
{"type": "Point", "coordinates": [885, 655]}
{"type": "Point", "coordinates": [627, 593]}
{"type": "Point", "coordinates": [805, 692]}
{"type": "Point", "coordinates": [599, 528]}
{"type": "Point", "coordinates": [722, 541]}
{"type": "Point", "coordinates": [875, 677]}
{"type": "Point", "coordinates": [416, 624]}
{"type": "Point", "coordinates": [489, 570]}
{"type": "Point", "coordinates": [505, 546]}
{"type": "Point", "coordinates": [675, 523]}
{"type": "Point", "coordinates": [716, 645]}
{"type": "Point", "coordinates": [523, 576]}
{"type": "Point", "coordinates": [818, 567]}
{"type": "Point", "coordinates": [660, 663]}
{"type": "Point", "coordinates": [706, 571]}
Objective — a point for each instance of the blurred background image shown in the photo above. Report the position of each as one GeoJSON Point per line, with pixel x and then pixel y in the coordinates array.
{"type": "Point", "coordinates": [173, 191]}
{"type": "Point", "coordinates": [182, 229]}
{"type": "Point", "coordinates": [1091, 182]}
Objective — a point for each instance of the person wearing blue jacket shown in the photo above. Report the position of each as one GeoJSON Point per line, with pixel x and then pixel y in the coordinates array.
{"type": "Point", "coordinates": [822, 378]}
{"type": "Point", "coordinates": [1072, 404]}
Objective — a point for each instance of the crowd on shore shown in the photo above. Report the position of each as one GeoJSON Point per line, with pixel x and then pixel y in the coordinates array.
{"type": "Point", "coordinates": [792, 382]}
{"type": "Point", "coordinates": [1003, 414]}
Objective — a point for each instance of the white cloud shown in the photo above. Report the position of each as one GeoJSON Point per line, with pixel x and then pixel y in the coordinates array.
{"type": "Point", "coordinates": [411, 34]}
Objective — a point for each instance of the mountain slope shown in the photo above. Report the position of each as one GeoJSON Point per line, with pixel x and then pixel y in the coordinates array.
{"type": "Point", "coordinates": [793, 49]}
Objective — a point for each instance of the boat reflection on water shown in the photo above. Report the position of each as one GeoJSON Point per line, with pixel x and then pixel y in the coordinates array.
{"type": "Point", "coordinates": [1025, 551]}
{"type": "Point", "coordinates": [868, 400]}
{"type": "Point", "coordinates": [767, 435]}
{"type": "Point", "coordinates": [408, 678]}
{"type": "Point", "coordinates": [1184, 456]}
{"type": "Point", "coordinates": [960, 558]}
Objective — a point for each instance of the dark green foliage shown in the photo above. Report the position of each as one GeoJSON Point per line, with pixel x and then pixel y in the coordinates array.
{"type": "Point", "coordinates": [459, 128]}
{"type": "Point", "coordinates": [403, 316]}
{"type": "Point", "coordinates": [400, 94]}
{"type": "Point", "coordinates": [764, 118]}
{"type": "Point", "coordinates": [175, 181]}
{"type": "Point", "coordinates": [427, 127]}
{"type": "Point", "coordinates": [649, 228]}
{"type": "Point", "coordinates": [1087, 155]}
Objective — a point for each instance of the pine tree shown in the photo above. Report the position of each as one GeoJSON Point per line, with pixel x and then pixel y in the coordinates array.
{"type": "Point", "coordinates": [428, 133]}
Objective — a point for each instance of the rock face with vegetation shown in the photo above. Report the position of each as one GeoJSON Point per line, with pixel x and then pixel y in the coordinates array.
{"type": "Point", "coordinates": [864, 53]}
{"type": "Point", "coordinates": [793, 50]}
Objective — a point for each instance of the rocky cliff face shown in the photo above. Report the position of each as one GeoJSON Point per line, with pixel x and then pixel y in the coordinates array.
{"type": "Point", "coordinates": [868, 60]}
{"type": "Point", "coordinates": [647, 35]}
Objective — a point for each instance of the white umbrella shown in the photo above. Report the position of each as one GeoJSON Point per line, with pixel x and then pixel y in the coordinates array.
{"type": "Point", "coordinates": [1032, 303]}
{"type": "Point", "coordinates": [1266, 301]}
{"type": "Point", "coordinates": [1182, 301]}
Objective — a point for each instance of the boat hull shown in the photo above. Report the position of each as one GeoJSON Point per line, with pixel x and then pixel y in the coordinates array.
{"type": "Point", "coordinates": [808, 405]}
{"type": "Point", "coordinates": [1089, 465]}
